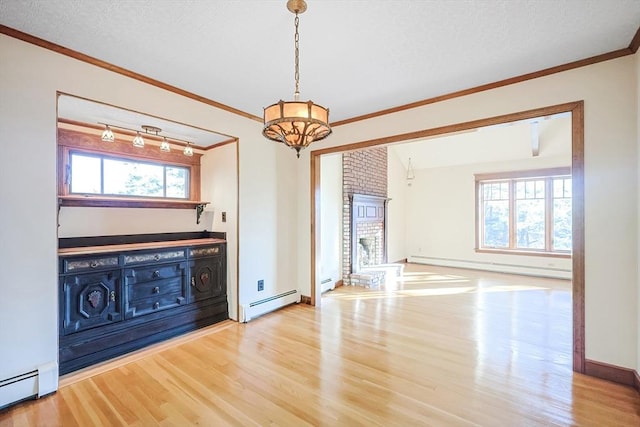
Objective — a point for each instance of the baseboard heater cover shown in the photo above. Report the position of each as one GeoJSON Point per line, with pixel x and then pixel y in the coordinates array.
{"type": "Point", "coordinates": [29, 385]}
{"type": "Point", "coordinates": [266, 305]}
{"type": "Point", "coordinates": [556, 273]}
{"type": "Point", "coordinates": [327, 284]}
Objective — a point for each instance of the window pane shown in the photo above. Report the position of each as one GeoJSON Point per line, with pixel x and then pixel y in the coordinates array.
{"type": "Point", "coordinates": [504, 191]}
{"type": "Point", "coordinates": [530, 223]}
{"type": "Point", "coordinates": [496, 224]}
{"type": "Point", "coordinates": [562, 224]}
{"type": "Point", "coordinates": [177, 182]}
{"type": "Point", "coordinates": [520, 190]}
{"type": "Point", "coordinates": [133, 179]}
{"type": "Point", "coordinates": [558, 188]}
{"type": "Point", "coordinates": [561, 187]}
{"type": "Point", "coordinates": [85, 174]}
{"type": "Point", "coordinates": [567, 187]}
{"type": "Point", "coordinates": [539, 189]}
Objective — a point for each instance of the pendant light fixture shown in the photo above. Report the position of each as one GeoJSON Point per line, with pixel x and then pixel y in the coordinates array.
{"type": "Point", "coordinates": [296, 123]}
{"type": "Point", "coordinates": [410, 173]}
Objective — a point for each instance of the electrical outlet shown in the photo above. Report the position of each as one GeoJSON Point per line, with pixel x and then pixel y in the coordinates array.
{"type": "Point", "coordinates": [260, 285]}
{"type": "Point", "coordinates": [224, 217]}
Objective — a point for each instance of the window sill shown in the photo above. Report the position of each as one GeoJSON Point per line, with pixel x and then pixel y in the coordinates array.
{"type": "Point", "coordinates": [520, 252]}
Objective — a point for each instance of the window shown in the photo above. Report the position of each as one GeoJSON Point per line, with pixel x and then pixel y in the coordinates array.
{"type": "Point", "coordinates": [113, 176]}
{"type": "Point", "coordinates": [116, 174]}
{"type": "Point", "coordinates": [526, 212]}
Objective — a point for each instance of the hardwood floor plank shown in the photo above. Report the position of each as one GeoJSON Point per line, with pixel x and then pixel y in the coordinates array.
{"type": "Point", "coordinates": [442, 347]}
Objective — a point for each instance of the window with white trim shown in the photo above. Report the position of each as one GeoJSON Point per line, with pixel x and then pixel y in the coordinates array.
{"type": "Point", "coordinates": [525, 211]}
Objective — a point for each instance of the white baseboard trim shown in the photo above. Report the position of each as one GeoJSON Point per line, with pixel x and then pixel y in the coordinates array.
{"type": "Point", "coordinates": [555, 273]}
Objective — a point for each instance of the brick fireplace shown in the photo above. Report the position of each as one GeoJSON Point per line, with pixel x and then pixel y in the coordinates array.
{"type": "Point", "coordinates": [364, 193]}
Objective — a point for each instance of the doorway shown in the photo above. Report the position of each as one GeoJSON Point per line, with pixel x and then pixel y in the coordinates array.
{"type": "Point", "coordinates": [577, 172]}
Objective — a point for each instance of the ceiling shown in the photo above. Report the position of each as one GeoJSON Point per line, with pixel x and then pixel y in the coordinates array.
{"type": "Point", "coordinates": [82, 110]}
{"type": "Point", "coordinates": [356, 57]}
{"type": "Point", "coordinates": [548, 137]}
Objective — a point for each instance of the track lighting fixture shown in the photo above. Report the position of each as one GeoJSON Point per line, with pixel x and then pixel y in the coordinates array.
{"type": "Point", "coordinates": [138, 140]}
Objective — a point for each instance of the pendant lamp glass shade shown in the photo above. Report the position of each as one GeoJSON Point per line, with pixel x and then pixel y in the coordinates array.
{"type": "Point", "coordinates": [188, 151]}
{"type": "Point", "coordinates": [138, 141]}
{"type": "Point", "coordinates": [107, 135]}
{"type": "Point", "coordinates": [164, 146]}
{"type": "Point", "coordinates": [296, 124]}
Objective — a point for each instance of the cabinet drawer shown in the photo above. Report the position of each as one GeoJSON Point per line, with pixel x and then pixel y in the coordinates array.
{"type": "Point", "coordinates": [78, 265]}
{"type": "Point", "coordinates": [205, 251]}
{"type": "Point", "coordinates": [138, 291]}
{"type": "Point", "coordinates": [157, 256]}
{"type": "Point", "coordinates": [153, 304]}
{"type": "Point", "coordinates": [154, 272]}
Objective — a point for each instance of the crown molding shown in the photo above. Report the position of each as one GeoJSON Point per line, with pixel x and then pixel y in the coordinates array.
{"type": "Point", "coordinates": [630, 50]}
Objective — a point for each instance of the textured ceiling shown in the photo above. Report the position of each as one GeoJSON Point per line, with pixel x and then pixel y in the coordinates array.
{"type": "Point", "coordinates": [357, 56]}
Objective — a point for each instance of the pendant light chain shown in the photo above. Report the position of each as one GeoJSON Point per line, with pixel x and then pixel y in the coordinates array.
{"type": "Point", "coordinates": [295, 123]}
{"type": "Point", "coordinates": [296, 39]}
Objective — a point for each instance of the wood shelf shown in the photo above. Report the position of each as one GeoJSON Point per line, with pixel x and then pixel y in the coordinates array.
{"type": "Point", "coordinates": [128, 202]}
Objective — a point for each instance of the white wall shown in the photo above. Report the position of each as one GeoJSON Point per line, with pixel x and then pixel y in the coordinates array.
{"type": "Point", "coordinates": [92, 221]}
{"type": "Point", "coordinates": [29, 79]}
{"type": "Point", "coordinates": [397, 189]}
{"type": "Point", "coordinates": [331, 218]}
{"type": "Point", "coordinates": [220, 187]}
{"type": "Point", "coordinates": [611, 162]}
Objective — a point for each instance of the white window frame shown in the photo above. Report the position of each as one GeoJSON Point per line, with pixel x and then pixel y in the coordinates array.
{"type": "Point", "coordinates": [511, 178]}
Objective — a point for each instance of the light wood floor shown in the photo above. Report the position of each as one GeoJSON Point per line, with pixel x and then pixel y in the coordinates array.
{"type": "Point", "coordinates": [444, 348]}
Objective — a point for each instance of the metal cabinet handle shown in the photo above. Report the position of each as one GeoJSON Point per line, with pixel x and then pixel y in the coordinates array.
{"type": "Point", "coordinates": [156, 257]}
{"type": "Point", "coordinates": [156, 290]}
{"type": "Point", "coordinates": [93, 264]}
{"type": "Point", "coordinates": [156, 306]}
{"type": "Point", "coordinates": [112, 296]}
{"type": "Point", "coordinates": [193, 281]}
{"type": "Point", "coordinates": [156, 274]}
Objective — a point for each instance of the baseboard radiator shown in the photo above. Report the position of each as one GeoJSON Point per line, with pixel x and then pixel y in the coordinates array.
{"type": "Point", "coordinates": [29, 385]}
{"type": "Point", "coordinates": [327, 284]}
{"type": "Point", "coordinates": [266, 305]}
{"type": "Point", "coordinates": [527, 270]}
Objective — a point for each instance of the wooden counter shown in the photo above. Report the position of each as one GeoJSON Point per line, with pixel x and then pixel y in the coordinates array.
{"type": "Point", "coordinates": [89, 250]}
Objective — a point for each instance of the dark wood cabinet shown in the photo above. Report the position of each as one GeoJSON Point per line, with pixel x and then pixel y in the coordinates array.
{"type": "Point", "coordinates": [125, 299]}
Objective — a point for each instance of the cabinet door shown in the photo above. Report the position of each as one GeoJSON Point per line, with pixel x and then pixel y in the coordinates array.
{"type": "Point", "coordinates": [90, 300]}
{"type": "Point", "coordinates": [207, 279]}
